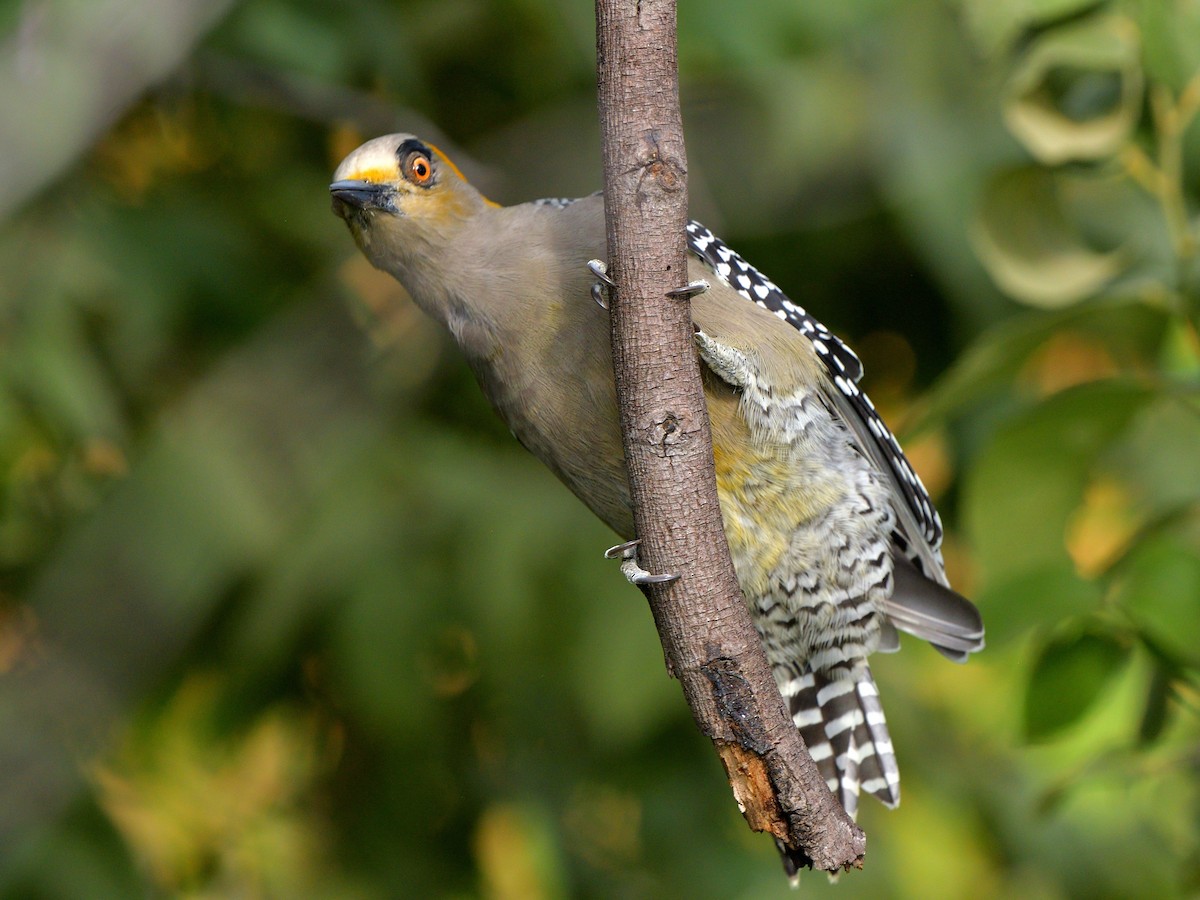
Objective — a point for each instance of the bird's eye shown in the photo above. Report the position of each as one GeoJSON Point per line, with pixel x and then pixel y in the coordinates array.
{"type": "Point", "coordinates": [418, 168]}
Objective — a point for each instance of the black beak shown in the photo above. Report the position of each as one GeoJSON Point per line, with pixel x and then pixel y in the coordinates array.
{"type": "Point", "coordinates": [360, 195]}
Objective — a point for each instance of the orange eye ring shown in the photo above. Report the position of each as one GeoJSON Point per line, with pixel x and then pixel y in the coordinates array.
{"type": "Point", "coordinates": [418, 168]}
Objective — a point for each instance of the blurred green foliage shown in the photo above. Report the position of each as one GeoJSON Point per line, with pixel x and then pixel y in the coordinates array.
{"type": "Point", "coordinates": [284, 612]}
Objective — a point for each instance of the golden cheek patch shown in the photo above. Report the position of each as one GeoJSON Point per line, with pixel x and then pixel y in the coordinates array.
{"type": "Point", "coordinates": [445, 161]}
{"type": "Point", "coordinates": [448, 163]}
{"type": "Point", "coordinates": [373, 175]}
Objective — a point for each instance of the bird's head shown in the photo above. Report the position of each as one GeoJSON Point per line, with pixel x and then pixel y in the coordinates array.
{"type": "Point", "coordinates": [396, 191]}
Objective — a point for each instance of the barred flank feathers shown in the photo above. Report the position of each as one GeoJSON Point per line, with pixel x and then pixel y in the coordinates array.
{"type": "Point", "coordinates": [842, 723]}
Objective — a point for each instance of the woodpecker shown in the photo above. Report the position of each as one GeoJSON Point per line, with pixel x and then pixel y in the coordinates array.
{"type": "Point", "coordinates": [834, 540]}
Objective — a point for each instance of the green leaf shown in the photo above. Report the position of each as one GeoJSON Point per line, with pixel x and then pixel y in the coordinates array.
{"type": "Point", "coordinates": [996, 23]}
{"type": "Point", "coordinates": [1022, 236]}
{"type": "Point", "coordinates": [1157, 711]}
{"type": "Point", "coordinates": [1077, 92]}
{"type": "Point", "coordinates": [1161, 592]}
{"type": "Point", "coordinates": [1171, 38]}
{"type": "Point", "coordinates": [1156, 457]}
{"type": "Point", "coordinates": [1179, 352]}
{"type": "Point", "coordinates": [1026, 484]}
{"type": "Point", "coordinates": [1129, 327]}
{"type": "Point", "coordinates": [1048, 593]}
{"type": "Point", "coordinates": [1068, 676]}
{"type": "Point", "coordinates": [990, 363]}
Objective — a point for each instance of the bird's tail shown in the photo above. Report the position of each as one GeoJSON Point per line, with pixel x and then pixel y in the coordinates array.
{"type": "Point", "coordinates": [842, 723]}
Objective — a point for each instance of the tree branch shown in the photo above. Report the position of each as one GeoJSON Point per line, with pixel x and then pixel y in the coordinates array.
{"type": "Point", "coordinates": [702, 620]}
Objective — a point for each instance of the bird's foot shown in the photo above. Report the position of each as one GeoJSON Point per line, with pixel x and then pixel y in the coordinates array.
{"type": "Point", "coordinates": [627, 553]}
{"type": "Point", "coordinates": [689, 290]}
{"type": "Point", "coordinates": [603, 282]}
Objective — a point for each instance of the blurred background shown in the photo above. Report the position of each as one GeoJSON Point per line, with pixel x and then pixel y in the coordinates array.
{"type": "Point", "coordinates": [285, 612]}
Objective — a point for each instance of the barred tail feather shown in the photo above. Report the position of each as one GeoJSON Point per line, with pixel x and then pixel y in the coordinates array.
{"type": "Point", "coordinates": [842, 723]}
{"type": "Point", "coordinates": [878, 770]}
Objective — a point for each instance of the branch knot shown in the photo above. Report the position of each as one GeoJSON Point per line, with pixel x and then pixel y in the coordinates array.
{"type": "Point", "coordinates": [666, 434]}
{"type": "Point", "coordinates": [667, 171]}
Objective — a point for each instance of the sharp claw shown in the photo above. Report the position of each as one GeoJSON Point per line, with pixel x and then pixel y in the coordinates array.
{"type": "Point", "coordinates": [637, 575]}
{"type": "Point", "coordinates": [598, 296]}
{"type": "Point", "coordinates": [689, 290]}
{"type": "Point", "coordinates": [600, 270]}
{"type": "Point", "coordinates": [621, 549]}
{"type": "Point", "coordinates": [627, 553]}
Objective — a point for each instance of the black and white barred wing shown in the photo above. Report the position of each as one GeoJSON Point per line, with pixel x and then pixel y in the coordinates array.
{"type": "Point", "coordinates": [920, 532]}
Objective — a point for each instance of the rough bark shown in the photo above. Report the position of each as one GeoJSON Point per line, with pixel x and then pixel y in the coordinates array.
{"type": "Point", "coordinates": [705, 628]}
